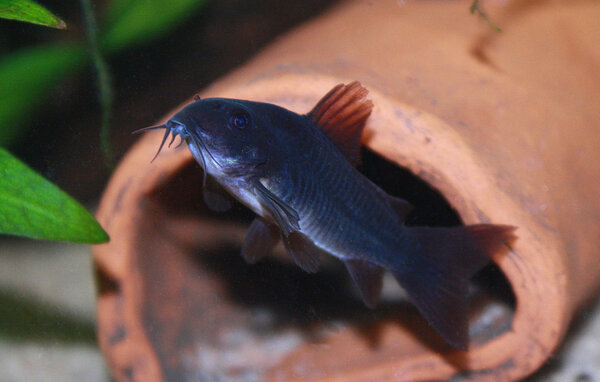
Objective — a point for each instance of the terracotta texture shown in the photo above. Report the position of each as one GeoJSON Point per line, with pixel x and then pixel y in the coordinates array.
{"type": "Point", "coordinates": [504, 126]}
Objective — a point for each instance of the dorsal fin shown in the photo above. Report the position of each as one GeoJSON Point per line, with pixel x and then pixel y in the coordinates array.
{"type": "Point", "coordinates": [341, 114]}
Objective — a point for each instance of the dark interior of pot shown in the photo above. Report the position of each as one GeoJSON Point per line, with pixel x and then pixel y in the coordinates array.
{"type": "Point", "coordinates": [210, 315]}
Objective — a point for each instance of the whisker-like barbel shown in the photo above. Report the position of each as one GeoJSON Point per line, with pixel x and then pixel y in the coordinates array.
{"type": "Point", "coordinates": [167, 132]}
{"type": "Point", "coordinates": [149, 128]}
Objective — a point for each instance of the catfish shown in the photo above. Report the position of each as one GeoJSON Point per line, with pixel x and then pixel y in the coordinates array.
{"type": "Point", "coordinates": [297, 173]}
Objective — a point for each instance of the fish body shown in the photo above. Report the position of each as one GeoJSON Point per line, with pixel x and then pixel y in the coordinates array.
{"type": "Point", "coordinates": [297, 174]}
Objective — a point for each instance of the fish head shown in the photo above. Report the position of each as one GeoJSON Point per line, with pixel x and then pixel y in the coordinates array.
{"type": "Point", "coordinates": [224, 135]}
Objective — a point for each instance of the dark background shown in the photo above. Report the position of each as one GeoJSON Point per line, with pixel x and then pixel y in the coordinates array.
{"type": "Point", "coordinates": [61, 140]}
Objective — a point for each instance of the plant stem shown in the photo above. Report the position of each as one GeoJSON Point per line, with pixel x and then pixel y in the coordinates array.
{"type": "Point", "coordinates": [105, 88]}
{"type": "Point", "coordinates": [476, 8]}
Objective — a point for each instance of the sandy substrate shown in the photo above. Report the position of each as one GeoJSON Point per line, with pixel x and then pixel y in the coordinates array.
{"type": "Point", "coordinates": [47, 320]}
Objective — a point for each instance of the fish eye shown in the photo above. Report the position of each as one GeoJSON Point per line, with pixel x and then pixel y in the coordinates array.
{"type": "Point", "coordinates": [240, 121]}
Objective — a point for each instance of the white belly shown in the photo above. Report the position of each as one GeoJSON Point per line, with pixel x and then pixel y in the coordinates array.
{"type": "Point", "coordinates": [245, 197]}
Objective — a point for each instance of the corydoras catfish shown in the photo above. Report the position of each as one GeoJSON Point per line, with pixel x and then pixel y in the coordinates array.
{"type": "Point", "coordinates": [297, 173]}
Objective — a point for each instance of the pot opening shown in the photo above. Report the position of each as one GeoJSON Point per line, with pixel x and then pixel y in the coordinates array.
{"type": "Point", "coordinates": [219, 306]}
{"type": "Point", "coordinates": [493, 302]}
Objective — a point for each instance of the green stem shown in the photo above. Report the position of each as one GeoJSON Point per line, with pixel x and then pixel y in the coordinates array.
{"type": "Point", "coordinates": [104, 81]}
{"type": "Point", "coordinates": [476, 8]}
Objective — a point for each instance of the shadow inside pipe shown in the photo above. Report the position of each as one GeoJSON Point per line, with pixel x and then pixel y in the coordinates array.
{"type": "Point", "coordinates": [281, 294]}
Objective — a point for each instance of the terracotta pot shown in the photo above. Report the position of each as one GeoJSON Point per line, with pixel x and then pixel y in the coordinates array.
{"type": "Point", "coordinates": [503, 125]}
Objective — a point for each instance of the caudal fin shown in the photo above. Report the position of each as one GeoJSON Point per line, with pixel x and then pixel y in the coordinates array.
{"type": "Point", "coordinates": [436, 276]}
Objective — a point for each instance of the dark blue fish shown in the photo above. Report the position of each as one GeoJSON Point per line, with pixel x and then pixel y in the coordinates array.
{"type": "Point", "coordinates": [297, 173]}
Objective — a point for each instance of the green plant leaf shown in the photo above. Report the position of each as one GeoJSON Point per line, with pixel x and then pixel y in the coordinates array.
{"type": "Point", "coordinates": [31, 12]}
{"type": "Point", "coordinates": [130, 22]}
{"type": "Point", "coordinates": [25, 79]}
{"type": "Point", "coordinates": [33, 207]}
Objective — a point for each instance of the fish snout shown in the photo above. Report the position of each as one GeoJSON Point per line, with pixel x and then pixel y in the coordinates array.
{"type": "Point", "coordinates": [176, 127]}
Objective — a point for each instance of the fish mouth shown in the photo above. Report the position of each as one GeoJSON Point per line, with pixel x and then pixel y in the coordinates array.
{"type": "Point", "coordinates": [177, 128]}
{"type": "Point", "coordinates": [170, 127]}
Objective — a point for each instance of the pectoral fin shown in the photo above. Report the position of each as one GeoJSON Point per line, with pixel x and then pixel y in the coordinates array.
{"type": "Point", "coordinates": [297, 245]}
{"type": "Point", "coordinates": [368, 278]}
{"type": "Point", "coordinates": [285, 215]}
{"type": "Point", "coordinates": [260, 240]}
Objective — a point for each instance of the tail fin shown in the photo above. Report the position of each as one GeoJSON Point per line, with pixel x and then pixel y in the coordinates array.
{"type": "Point", "coordinates": [436, 278]}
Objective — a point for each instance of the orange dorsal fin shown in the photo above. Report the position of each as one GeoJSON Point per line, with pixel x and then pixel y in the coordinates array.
{"type": "Point", "coordinates": [341, 114]}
